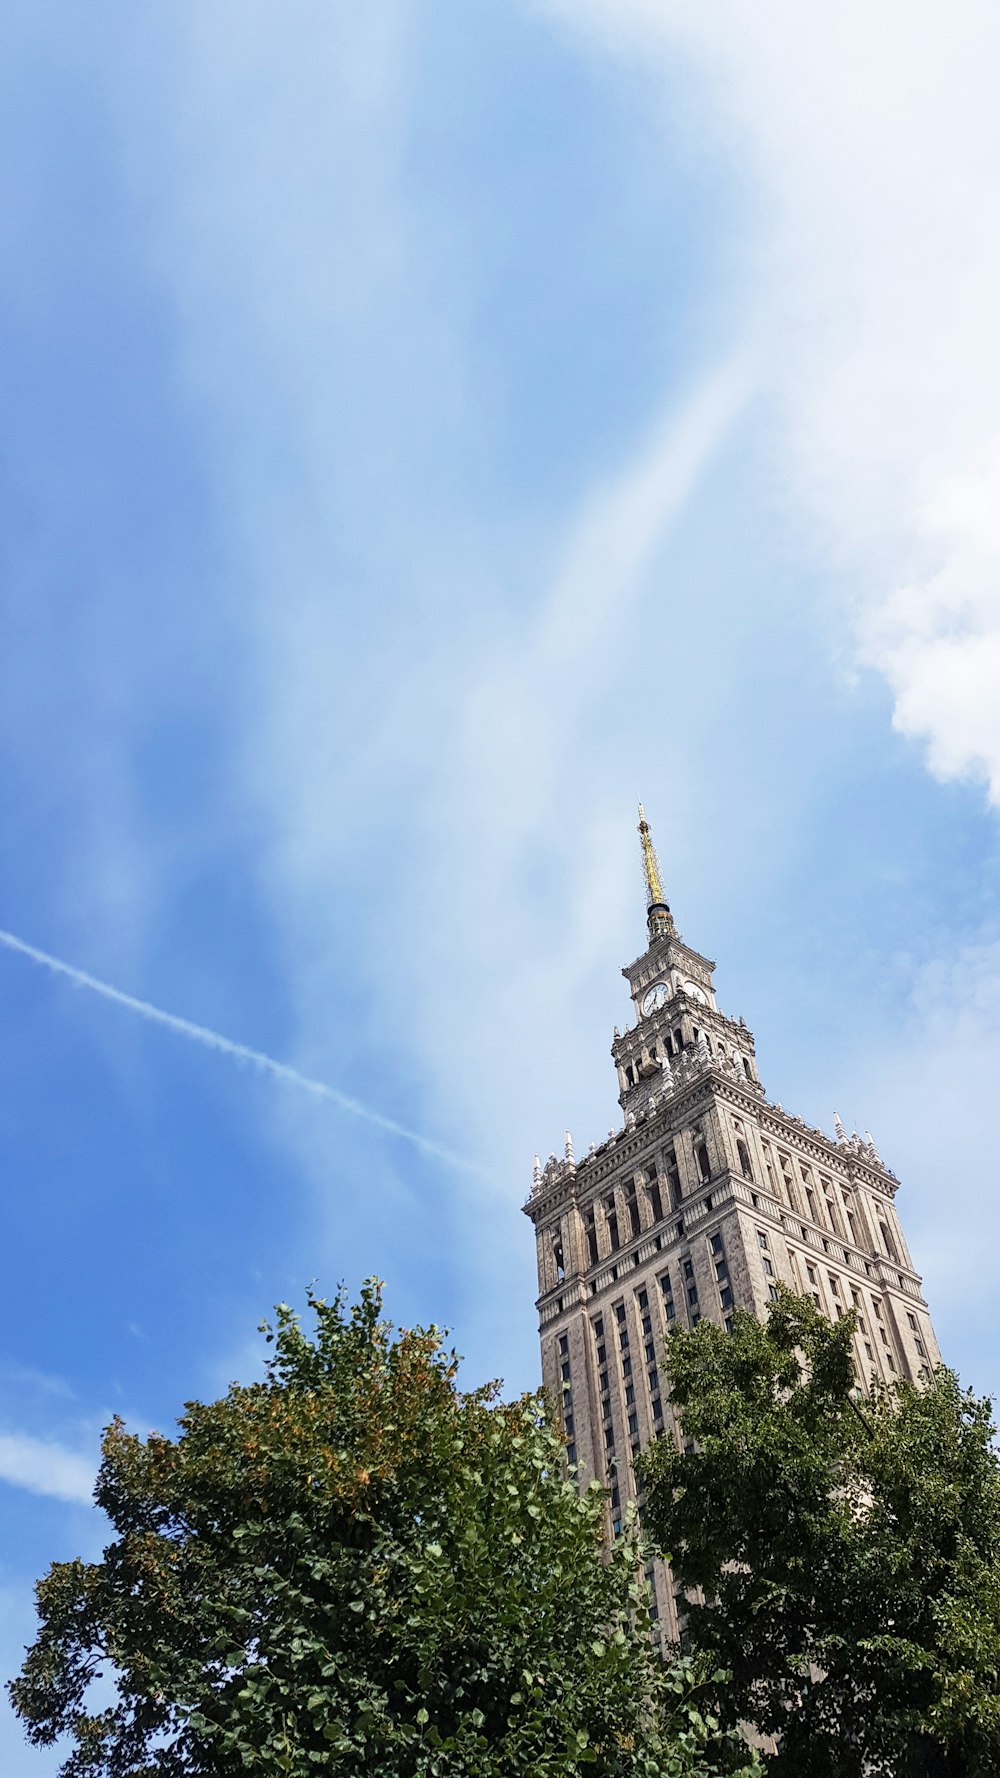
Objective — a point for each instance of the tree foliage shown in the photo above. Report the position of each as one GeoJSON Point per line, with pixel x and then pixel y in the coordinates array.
{"type": "Point", "coordinates": [847, 1548]}
{"type": "Point", "coordinates": [352, 1566]}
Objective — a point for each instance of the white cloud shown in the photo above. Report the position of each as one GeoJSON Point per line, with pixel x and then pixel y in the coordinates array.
{"type": "Point", "coordinates": [867, 140]}
{"type": "Point", "coordinates": [48, 1469]}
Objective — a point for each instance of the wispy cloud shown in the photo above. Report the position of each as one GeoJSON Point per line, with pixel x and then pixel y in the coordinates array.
{"type": "Point", "coordinates": [868, 154]}
{"type": "Point", "coordinates": [240, 1052]}
{"type": "Point", "coordinates": [47, 1469]}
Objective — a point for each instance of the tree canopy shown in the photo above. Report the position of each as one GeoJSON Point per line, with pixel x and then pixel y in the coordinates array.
{"type": "Point", "coordinates": [353, 1566]}
{"type": "Point", "coordinates": [841, 1551]}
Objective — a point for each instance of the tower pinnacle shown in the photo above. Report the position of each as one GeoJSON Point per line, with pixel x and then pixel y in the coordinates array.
{"type": "Point", "coordinates": [658, 916]}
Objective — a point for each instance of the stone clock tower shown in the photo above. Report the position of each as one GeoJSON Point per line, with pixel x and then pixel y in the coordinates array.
{"type": "Point", "coordinates": [707, 1197]}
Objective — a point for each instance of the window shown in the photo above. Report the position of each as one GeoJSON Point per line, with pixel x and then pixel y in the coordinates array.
{"type": "Point", "coordinates": [773, 1292]}
{"type": "Point", "coordinates": [769, 1269]}
{"type": "Point", "coordinates": [912, 1321]}
{"type": "Point", "coordinates": [810, 1273]}
{"type": "Point", "coordinates": [654, 1377]}
{"type": "Point", "coordinates": [888, 1242]}
{"type": "Point", "coordinates": [834, 1283]}
{"type": "Point", "coordinates": [642, 1298]}
{"type": "Point", "coordinates": [647, 1324]}
{"type": "Point", "coordinates": [609, 1438]}
{"type": "Point", "coordinates": [721, 1271]}
{"type": "Point", "coordinates": [692, 1294]}
{"type": "Point", "coordinates": [650, 1352]}
{"type": "Point", "coordinates": [702, 1162]}
{"type": "Point", "coordinates": [657, 1407]}
{"type": "Point", "coordinates": [632, 1208]}
{"type": "Point", "coordinates": [611, 1218]}
{"type": "Point", "coordinates": [571, 1453]}
{"type": "Point", "coordinates": [715, 1244]}
{"type": "Point", "coordinates": [871, 1355]}
{"type": "Point", "coordinates": [920, 1347]}
{"type": "Point", "coordinates": [633, 1423]}
{"type": "Point", "coordinates": [591, 1234]}
{"type": "Point", "coordinates": [630, 1393]}
{"type": "Point", "coordinates": [569, 1426]}
{"type": "Point", "coordinates": [619, 1312]}
{"type": "Point", "coordinates": [623, 1339]}
{"type": "Point", "coordinates": [726, 1297]}
{"type": "Point", "coordinates": [762, 1238]}
{"type": "Point", "coordinates": [564, 1344]}
{"type": "Point", "coordinates": [626, 1367]}
{"type": "Point", "coordinates": [655, 1200]}
{"type": "Point", "coordinates": [687, 1268]}
{"type": "Point", "coordinates": [565, 1372]}
{"type": "Point", "coordinates": [744, 1159]}
{"type": "Point", "coordinates": [602, 1353]}
{"type": "Point", "coordinates": [729, 1324]}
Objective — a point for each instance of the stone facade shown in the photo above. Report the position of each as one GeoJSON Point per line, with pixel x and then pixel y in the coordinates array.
{"type": "Point", "coordinates": [708, 1196]}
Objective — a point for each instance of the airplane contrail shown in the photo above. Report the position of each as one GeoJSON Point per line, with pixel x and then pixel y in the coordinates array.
{"type": "Point", "coordinates": [225, 1046]}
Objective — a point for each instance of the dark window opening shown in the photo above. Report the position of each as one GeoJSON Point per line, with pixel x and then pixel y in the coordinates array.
{"type": "Point", "coordinates": [704, 1166]}
{"type": "Point", "coordinates": [744, 1156]}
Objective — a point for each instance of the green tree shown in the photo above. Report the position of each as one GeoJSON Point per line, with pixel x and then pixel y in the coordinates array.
{"type": "Point", "coordinates": [354, 1567]}
{"type": "Point", "coordinates": [847, 1548]}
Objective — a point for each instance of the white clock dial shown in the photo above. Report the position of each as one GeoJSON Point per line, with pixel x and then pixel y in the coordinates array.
{"type": "Point", "coordinates": [655, 997]}
{"type": "Point", "coordinates": [695, 992]}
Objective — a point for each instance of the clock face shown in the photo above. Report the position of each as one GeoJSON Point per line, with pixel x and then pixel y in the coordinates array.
{"type": "Point", "coordinates": [695, 992]}
{"type": "Point", "coordinates": [655, 997]}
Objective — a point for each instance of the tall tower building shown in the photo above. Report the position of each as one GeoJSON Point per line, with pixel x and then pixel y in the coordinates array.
{"type": "Point", "coordinates": [707, 1197]}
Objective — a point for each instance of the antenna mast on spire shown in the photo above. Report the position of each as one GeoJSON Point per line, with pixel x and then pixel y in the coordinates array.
{"type": "Point", "coordinates": [658, 916]}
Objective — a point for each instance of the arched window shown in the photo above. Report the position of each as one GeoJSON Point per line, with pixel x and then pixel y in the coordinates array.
{"type": "Point", "coordinates": [748, 1071]}
{"type": "Point", "coordinates": [744, 1154]}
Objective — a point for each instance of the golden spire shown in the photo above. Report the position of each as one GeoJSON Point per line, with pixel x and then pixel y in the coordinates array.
{"type": "Point", "coordinates": [658, 915]}
{"type": "Point", "coordinates": [650, 862]}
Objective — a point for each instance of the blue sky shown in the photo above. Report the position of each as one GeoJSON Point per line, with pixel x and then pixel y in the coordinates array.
{"type": "Point", "coordinates": [424, 431]}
